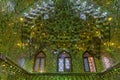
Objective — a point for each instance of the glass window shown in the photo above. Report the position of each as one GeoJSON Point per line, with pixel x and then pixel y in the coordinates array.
{"type": "Point", "coordinates": [42, 63]}
{"type": "Point", "coordinates": [106, 62]}
{"type": "Point", "coordinates": [67, 64]}
{"type": "Point", "coordinates": [89, 63]}
{"type": "Point", "coordinates": [22, 62]}
{"type": "Point", "coordinates": [64, 62]}
{"type": "Point", "coordinates": [61, 65]}
{"type": "Point", "coordinates": [86, 64]}
{"type": "Point", "coordinates": [39, 62]}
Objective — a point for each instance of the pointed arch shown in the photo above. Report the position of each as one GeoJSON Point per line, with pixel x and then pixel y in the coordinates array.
{"type": "Point", "coordinates": [39, 62]}
{"type": "Point", "coordinates": [64, 62]}
{"type": "Point", "coordinates": [107, 60]}
{"type": "Point", "coordinates": [89, 63]}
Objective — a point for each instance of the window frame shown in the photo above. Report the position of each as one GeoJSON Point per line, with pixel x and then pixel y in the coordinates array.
{"type": "Point", "coordinates": [86, 55]}
{"type": "Point", "coordinates": [41, 55]}
{"type": "Point", "coordinates": [64, 62]}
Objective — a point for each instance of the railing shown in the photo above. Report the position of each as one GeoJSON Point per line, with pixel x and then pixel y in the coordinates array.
{"type": "Point", "coordinates": [11, 71]}
{"type": "Point", "coordinates": [64, 76]}
{"type": "Point", "coordinates": [112, 73]}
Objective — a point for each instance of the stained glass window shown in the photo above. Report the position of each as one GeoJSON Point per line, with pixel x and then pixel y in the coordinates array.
{"type": "Point", "coordinates": [89, 63]}
{"type": "Point", "coordinates": [86, 64]}
{"type": "Point", "coordinates": [106, 62]}
{"type": "Point", "coordinates": [61, 65]}
{"type": "Point", "coordinates": [39, 62]}
{"type": "Point", "coordinates": [42, 63]}
{"type": "Point", "coordinates": [22, 62]}
{"type": "Point", "coordinates": [67, 65]}
{"type": "Point", "coordinates": [64, 62]}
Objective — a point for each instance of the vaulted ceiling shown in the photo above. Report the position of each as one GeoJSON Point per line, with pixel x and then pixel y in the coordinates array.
{"type": "Point", "coordinates": [80, 22]}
